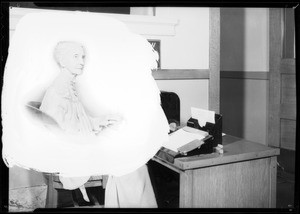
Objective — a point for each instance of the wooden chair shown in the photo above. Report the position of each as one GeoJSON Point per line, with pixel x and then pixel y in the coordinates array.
{"type": "Point", "coordinates": [54, 185]}
{"type": "Point", "coordinates": [52, 180]}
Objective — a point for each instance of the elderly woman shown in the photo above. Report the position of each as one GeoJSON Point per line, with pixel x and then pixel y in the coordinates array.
{"type": "Point", "coordinates": [61, 102]}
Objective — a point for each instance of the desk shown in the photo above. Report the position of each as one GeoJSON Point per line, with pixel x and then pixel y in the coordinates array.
{"type": "Point", "coordinates": [244, 176]}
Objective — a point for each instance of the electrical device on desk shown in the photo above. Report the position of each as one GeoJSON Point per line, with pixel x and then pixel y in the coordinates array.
{"type": "Point", "coordinates": [196, 147]}
{"type": "Point", "coordinates": [214, 129]}
{"type": "Point", "coordinates": [202, 135]}
{"type": "Point", "coordinates": [186, 142]}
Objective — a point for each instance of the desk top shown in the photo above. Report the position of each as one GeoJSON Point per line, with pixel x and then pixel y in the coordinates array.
{"type": "Point", "coordinates": [235, 150]}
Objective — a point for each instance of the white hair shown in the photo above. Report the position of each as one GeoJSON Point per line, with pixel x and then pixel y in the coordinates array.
{"type": "Point", "coordinates": [60, 49]}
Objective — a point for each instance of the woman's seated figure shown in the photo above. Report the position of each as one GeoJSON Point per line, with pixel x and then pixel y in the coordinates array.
{"type": "Point", "coordinates": [61, 101]}
{"type": "Point", "coordinates": [62, 104]}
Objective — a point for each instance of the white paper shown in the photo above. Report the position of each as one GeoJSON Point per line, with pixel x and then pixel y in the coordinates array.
{"type": "Point", "coordinates": [203, 116]}
{"type": "Point", "coordinates": [182, 137]}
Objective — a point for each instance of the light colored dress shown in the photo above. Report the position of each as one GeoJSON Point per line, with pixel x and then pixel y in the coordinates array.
{"type": "Point", "coordinates": [61, 103]}
{"type": "Point", "coordinates": [133, 190]}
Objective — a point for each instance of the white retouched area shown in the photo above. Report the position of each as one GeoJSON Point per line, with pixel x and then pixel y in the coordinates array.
{"type": "Point", "coordinates": [140, 24]}
{"type": "Point", "coordinates": [116, 80]}
{"type": "Point", "coordinates": [183, 32]}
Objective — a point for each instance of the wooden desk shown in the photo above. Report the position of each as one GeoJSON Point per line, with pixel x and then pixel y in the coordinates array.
{"type": "Point", "coordinates": [244, 176]}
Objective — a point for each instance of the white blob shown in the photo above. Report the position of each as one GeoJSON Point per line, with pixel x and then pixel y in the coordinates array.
{"type": "Point", "coordinates": [116, 80]}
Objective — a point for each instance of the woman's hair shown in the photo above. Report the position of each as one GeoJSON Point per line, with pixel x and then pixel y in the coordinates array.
{"type": "Point", "coordinates": [61, 49]}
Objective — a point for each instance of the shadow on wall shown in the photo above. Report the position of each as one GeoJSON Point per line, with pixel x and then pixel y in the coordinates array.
{"type": "Point", "coordinates": [232, 53]}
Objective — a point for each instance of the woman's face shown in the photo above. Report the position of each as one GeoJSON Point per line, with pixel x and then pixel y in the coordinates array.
{"type": "Point", "coordinates": [73, 59]}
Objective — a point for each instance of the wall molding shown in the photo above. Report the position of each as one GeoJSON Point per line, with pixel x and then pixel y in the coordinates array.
{"type": "Point", "coordinates": [257, 75]}
{"type": "Point", "coordinates": [180, 74]}
{"type": "Point", "coordinates": [171, 74]}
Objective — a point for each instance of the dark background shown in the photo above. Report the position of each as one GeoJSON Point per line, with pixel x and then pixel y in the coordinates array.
{"type": "Point", "coordinates": [91, 7]}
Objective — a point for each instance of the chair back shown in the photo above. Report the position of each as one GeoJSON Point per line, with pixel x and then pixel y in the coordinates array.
{"type": "Point", "coordinates": [33, 108]}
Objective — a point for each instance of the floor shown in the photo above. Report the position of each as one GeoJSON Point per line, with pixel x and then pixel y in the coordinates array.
{"type": "Point", "coordinates": [166, 188]}
{"type": "Point", "coordinates": [286, 178]}
{"type": "Point", "coordinates": [285, 189]}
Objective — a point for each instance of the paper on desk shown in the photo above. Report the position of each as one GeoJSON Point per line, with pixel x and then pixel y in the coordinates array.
{"type": "Point", "coordinates": [182, 137]}
{"type": "Point", "coordinates": [203, 116]}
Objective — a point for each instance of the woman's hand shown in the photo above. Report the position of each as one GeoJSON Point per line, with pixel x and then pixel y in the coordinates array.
{"type": "Point", "coordinates": [101, 123]}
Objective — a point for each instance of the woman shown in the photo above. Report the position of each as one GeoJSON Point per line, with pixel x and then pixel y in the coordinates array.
{"type": "Point", "coordinates": [62, 104]}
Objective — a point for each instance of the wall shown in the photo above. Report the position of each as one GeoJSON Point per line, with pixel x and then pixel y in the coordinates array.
{"type": "Point", "coordinates": [244, 39]}
{"type": "Point", "coordinates": [244, 108]}
{"type": "Point", "coordinates": [244, 72]}
{"type": "Point", "coordinates": [187, 49]}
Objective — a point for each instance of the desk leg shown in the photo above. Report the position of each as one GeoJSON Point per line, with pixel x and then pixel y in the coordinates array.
{"type": "Point", "coordinates": [186, 189]}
